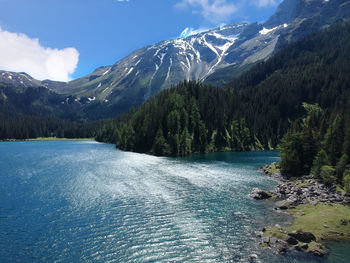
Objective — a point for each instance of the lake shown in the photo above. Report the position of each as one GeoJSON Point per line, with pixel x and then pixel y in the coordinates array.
{"type": "Point", "coordinates": [83, 201]}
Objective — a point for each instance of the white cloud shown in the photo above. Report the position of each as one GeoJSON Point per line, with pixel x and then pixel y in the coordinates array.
{"type": "Point", "coordinates": [20, 53]}
{"type": "Point", "coordinates": [215, 11]}
{"type": "Point", "coordinates": [264, 3]}
{"type": "Point", "coordinates": [220, 11]}
{"type": "Point", "coordinates": [123, 0]}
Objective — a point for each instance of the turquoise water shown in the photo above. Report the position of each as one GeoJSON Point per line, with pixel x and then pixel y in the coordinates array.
{"type": "Point", "coordinates": [78, 201]}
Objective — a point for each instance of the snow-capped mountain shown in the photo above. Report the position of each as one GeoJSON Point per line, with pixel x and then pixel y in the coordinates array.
{"type": "Point", "coordinates": [147, 71]}
{"type": "Point", "coordinates": [23, 80]}
{"type": "Point", "coordinates": [214, 56]}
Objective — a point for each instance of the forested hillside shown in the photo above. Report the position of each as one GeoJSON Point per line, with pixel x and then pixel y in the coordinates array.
{"type": "Point", "coordinates": [38, 112]}
{"type": "Point", "coordinates": [319, 143]}
{"type": "Point", "coordinates": [254, 112]}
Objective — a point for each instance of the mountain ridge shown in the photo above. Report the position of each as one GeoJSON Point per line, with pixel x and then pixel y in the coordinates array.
{"type": "Point", "coordinates": [227, 50]}
{"type": "Point", "coordinates": [253, 113]}
{"type": "Point", "coordinates": [214, 56]}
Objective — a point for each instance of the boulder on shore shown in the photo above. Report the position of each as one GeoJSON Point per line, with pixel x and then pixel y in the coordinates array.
{"type": "Point", "coordinates": [283, 205]}
{"type": "Point", "coordinates": [260, 194]}
{"type": "Point", "coordinates": [317, 250]}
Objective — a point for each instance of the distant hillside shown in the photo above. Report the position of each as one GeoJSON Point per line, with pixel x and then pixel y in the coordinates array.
{"type": "Point", "coordinates": [254, 112]}
{"type": "Point", "coordinates": [23, 80]}
{"type": "Point", "coordinates": [30, 112]}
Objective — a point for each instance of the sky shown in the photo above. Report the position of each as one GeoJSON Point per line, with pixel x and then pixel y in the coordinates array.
{"type": "Point", "coordinates": [67, 39]}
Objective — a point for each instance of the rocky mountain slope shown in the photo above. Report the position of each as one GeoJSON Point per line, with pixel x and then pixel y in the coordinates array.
{"type": "Point", "coordinates": [149, 70]}
{"type": "Point", "coordinates": [23, 80]}
{"type": "Point", "coordinates": [215, 56]}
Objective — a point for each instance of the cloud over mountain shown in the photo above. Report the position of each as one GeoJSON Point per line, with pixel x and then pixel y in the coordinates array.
{"type": "Point", "coordinates": [18, 52]}
{"type": "Point", "coordinates": [215, 11]}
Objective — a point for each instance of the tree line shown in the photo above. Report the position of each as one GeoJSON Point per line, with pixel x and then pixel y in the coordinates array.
{"type": "Point", "coordinates": [27, 113]}
{"type": "Point", "coordinates": [253, 113]}
{"type": "Point", "coordinates": [319, 144]}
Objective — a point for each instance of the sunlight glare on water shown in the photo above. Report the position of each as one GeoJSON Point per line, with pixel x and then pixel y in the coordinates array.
{"type": "Point", "coordinates": [86, 201]}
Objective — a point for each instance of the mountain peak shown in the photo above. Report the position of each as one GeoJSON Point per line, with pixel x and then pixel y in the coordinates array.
{"type": "Point", "coordinates": [213, 55]}
{"type": "Point", "coordinates": [285, 13]}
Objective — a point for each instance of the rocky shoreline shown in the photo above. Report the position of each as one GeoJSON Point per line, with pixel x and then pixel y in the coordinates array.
{"type": "Point", "coordinates": [292, 193]}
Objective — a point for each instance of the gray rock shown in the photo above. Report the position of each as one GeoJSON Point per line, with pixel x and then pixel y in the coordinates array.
{"type": "Point", "coordinates": [314, 202]}
{"type": "Point", "coordinates": [273, 240]}
{"type": "Point", "coordinates": [266, 240]}
{"type": "Point", "coordinates": [283, 205]}
{"type": "Point", "coordinates": [260, 194]}
{"type": "Point", "coordinates": [318, 250]}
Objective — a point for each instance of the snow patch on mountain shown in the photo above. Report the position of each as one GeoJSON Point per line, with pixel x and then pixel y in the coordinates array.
{"type": "Point", "coordinates": [138, 62]}
{"type": "Point", "coordinates": [169, 68]}
{"type": "Point", "coordinates": [265, 30]}
{"type": "Point", "coordinates": [130, 70]}
{"type": "Point", "coordinates": [106, 72]}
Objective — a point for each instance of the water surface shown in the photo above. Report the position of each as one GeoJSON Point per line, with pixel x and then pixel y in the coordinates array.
{"type": "Point", "coordinates": [81, 201]}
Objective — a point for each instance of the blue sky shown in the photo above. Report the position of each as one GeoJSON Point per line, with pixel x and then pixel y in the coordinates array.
{"type": "Point", "coordinates": [65, 39]}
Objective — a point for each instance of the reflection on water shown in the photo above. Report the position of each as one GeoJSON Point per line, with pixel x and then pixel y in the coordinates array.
{"type": "Point", "coordinates": [85, 201]}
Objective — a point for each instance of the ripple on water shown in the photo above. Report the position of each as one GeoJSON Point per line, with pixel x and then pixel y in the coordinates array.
{"type": "Point", "coordinates": [85, 201]}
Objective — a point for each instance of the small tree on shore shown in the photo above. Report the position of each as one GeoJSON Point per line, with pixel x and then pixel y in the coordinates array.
{"type": "Point", "coordinates": [346, 180]}
{"type": "Point", "coordinates": [327, 175]}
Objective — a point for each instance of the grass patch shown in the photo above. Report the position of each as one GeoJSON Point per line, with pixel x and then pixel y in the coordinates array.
{"type": "Point", "coordinates": [302, 185]}
{"type": "Point", "coordinates": [274, 232]}
{"type": "Point", "coordinates": [325, 221]}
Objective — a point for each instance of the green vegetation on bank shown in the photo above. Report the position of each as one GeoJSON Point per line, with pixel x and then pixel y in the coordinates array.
{"type": "Point", "coordinates": [323, 221]}
{"type": "Point", "coordinates": [271, 169]}
{"type": "Point", "coordinates": [189, 118]}
{"type": "Point", "coordinates": [319, 144]}
{"type": "Point", "coordinates": [254, 112]}
{"type": "Point", "coordinates": [21, 127]}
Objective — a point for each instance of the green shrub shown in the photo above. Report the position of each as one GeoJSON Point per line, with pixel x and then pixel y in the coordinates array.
{"type": "Point", "coordinates": [328, 175]}
{"type": "Point", "coordinates": [341, 166]}
{"type": "Point", "coordinates": [291, 150]}
{"type": "Point", "coordinates": [346, 180]}
{"type": "Point", "coordinates": [319, 161]}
